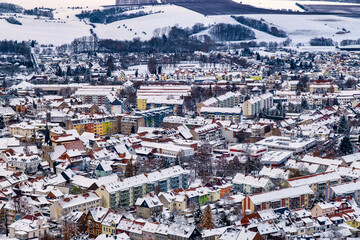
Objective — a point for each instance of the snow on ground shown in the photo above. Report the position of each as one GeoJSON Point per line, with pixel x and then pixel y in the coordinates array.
{"type": "Point", "coordinates": [314, 48]}
{"type": "Point", "coordinates": [260, 36]}
{"type": "Point", "coordinates": [302, 28]}
{"type": "Point", "coordinates": [28, 4]}
{"type": "Point", "coordinates": [55, 32]}
{"type": "Point", "coordinates": [143, 27]}
{"type": "Point", "coordinates": [285, 5]}
{"type": "Point", "coordinates": [67, 26]}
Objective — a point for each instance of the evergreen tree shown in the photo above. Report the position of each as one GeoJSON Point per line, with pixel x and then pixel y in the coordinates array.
{"type": "Point", "coordinates": [165, 163]}
{"type": "Point", "coordinates": [300, 86]}
{"type": "Point", "coordinates": [224, 220]}
{"type": "Point", "coordinates": [129, 170]}
{"type": "Point", "coordinates": [2, 122]}
{"type": "Point", "coordinates": [58, 71]}
{"type": "Point", "coordinates": [207, 220]}
{"type": "Point", "coordinates": [304, 104]}
{"type": "Point", "coordinates": [196, 214]}
{"type": "Point", "coordinates": [327, 103]}
{"type": "Point", "coordinates": [152, 65]}
{"type": "Point", "coordinates": [345, 146]}
{"type": "Point", "coordinates": [279, 109]}
{"type": "Point", "coordinates": [133, 129]}
{"type": "Point", "coordinates": [343, 125]}
{"type": "Point", "coordinates": [47, 136]}
{"type": "Point", "coordinates": [68, 71]}
{"type": "Point", "coordinates": [108, 73]}
{"type": "Point", "coordinates": [110, 63]}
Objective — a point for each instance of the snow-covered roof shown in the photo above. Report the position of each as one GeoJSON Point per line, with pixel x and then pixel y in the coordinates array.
{"type": "Point", "coordinates": [259, 182]}
{"type": "Point", "coordinates": [280, 194]}
{"type": "Point", "coordinates": [316, 178]}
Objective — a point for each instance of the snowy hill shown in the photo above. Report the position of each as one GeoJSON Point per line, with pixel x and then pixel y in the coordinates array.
{"type": "Point", "coordinates": [65, 26]}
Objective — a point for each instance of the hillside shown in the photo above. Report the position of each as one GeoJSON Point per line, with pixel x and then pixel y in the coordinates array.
{"type": "Point", "coordinates": [65, 26]}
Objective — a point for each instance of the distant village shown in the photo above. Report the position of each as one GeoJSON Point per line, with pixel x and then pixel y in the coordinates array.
{"type": "Point", "coordinates": [223, 146]}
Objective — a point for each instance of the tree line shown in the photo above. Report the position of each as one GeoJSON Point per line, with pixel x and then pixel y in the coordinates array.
{"type": "Point", "coordinates": [109, 15]}
{"type": "Point", "coordinates": [261, 26]}
{"type": "Point", "coordinates": [178, 40]}
{"type": "Point", "coordinates": [15, 47]}
{"type": "Point", "coordinates": [347, 42]}
{"type": "Point", "coordinates": [10, 8]}
{"type": "Point", "coordinates": [229, 32]}
{"type": "Point", "coordinates": [321, 41]}
{"type": "Point", "coordinates": [39, 12]}
{"type": "Point", "coordinates": [13, 20]}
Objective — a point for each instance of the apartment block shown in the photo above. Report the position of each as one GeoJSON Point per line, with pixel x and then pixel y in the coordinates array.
{"type": "Point", "coordinates": [125, 192]}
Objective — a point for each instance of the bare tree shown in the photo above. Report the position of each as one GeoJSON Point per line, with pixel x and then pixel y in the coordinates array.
{"type": "Point", "coordinates": [70, 230]}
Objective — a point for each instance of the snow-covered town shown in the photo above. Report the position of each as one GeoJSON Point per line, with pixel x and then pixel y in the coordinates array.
{"type": "Point", "coordinates": [158, 120]}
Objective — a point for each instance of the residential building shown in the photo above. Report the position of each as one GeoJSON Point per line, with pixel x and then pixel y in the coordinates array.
{"type": "Point", "coordinates": [82, 202]}
{"type": "Point", "coordinates": [23, 131]}
{"type": "Point", "coordinates": [94, 219]}
{"type": "Point", "coordinates": [154, 117]}
{"type": "Point", "coordinates": [221, 113]}
{"type": "Point", "coordinates": [349, 189]}
{"type": "Point", "coordinates": [28, 163]}
{"type": "Point", "coordinates": [257, 104]}
{"type": "Point", "coordinates": [317, 182]}
{"type": "Point", "coordinates": [146, 92]}
{"type": "Point", "coordinates": [148, 206]}
{"type": "Point", "coordinates": [96, 94]}
{"type": "Point", "coordinates": [248, 184]}
{"type": "Point", "coordinates": [292, 198]}
{"type": "Point", "coordinates": [207, 133]}
{"type": "Point", "coordinates": [113, 104]}
{"type": "Point", "coordinates": [29, 227]}
{"type": "Point", "coordinates": [94, 123]}
{"type": "Point", "coordinates": [130, 124]}
{"type": "Point", "coordinates": [322, 209]}
{"type": "Point", "coordinates": [126, 191]}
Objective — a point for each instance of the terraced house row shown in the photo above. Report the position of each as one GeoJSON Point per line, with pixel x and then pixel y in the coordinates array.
{"type": "Point", "coordinates": [98, 124]}
{"type": "Point", "coordinates": [125, 192]}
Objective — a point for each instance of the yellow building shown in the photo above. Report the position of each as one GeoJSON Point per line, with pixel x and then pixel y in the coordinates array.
{"type": "Point", "coordinates": [141, 103]}
{"type": "Point", "coordinates": [109, 223]}
{"type": "Point", "coordinates": [256, 78]}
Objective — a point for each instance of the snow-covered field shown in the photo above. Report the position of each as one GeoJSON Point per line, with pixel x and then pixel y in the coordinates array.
{"type": "Point", "coordinates": [66, 27]}
{"type": "Point", "coordinates": [55, 32]}
{"type": "Point", "coordinates": [143, 27]}
{"type": "Point", "coordinates": [61, 3]}
{"type": "Point", "coordinates": [302, 28]}
{"type": "Point", "coordinates": [285, 4]}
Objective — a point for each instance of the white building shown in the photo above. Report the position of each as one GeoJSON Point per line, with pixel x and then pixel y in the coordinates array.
{"type": "Point", "coordinates": [248, 150]}
{"type": "Point", "coordinates": [248, 184]}
{"type": "Point", "coordinates": [296, 145]}
{"type": "Point", "coordinates": [257, 104]}
{"type": "Point", "coordinates": [26, 162]}
{"type": "Point", "coordinates": [28, 227]}
{"type": "Point", "coordinates": [82, 202]}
